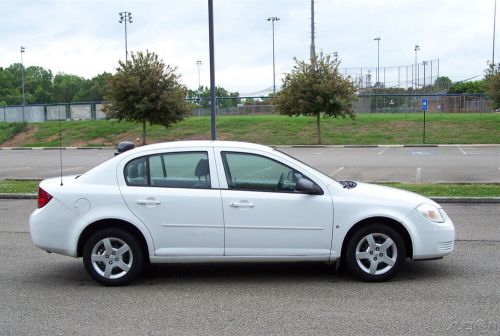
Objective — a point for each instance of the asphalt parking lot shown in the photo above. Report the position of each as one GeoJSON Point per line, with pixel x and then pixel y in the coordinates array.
{"type": "Point", "coordinates": [48, 294]}
{"type": "Point", "coordinates": [376, 164]}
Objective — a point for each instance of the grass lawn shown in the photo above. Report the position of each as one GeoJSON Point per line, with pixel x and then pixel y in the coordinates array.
{"type": "Point", "coordinates": [18, 187]}
{"type": "Point", "coordinates": [448, 190]}
{"type": "Point", "coordinates": [451, 189]}
{"type": "Point", "coordinates": [8, 130]}
{"type": "Point", "coordinates": [366, 129]}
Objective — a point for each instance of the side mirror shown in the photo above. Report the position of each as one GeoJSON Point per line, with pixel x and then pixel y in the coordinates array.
{"type": "Point", "coordinates": [123, 147]}
{"type": "Point", "coordinates": [306, 186]}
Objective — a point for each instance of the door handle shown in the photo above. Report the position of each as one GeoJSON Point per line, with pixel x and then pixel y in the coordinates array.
{"type": "Point", "coordinates": [148, 202]}
{"type": "Point", "coordinates": [241, 205]}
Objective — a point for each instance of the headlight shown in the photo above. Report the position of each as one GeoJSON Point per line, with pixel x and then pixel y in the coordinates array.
{"type": "Point", "coordinates": [431, 212]}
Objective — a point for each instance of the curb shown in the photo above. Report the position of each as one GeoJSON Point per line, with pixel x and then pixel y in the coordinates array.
{"type": "Point", "coordinates": [54, 148]}
{"type": "Point", "coordinates": [18, 196]}
{"type": "Point", "coordinates": [437, 199]}
{"type": "Point", "coordinates": [384, 146]}
{"type": "Point", "coordinates": [466, 199]}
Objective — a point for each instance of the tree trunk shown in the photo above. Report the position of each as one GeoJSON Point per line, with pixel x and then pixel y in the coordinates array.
{"type": "Point", "coordinates": [318, 128]}
{"type": "Point", "coordinates": [143, 132]}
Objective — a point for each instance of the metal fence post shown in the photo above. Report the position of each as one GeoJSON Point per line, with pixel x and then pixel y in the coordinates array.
{"type": "Point", "coordinates": [93, 113]}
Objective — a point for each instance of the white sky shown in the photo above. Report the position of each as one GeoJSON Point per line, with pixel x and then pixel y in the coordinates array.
{"type": "Point", "coordinates": [83, 37]}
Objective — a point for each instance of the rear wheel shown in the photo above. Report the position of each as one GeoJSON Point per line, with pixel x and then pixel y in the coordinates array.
{"type": "Point", "coordinates": [375, 253]}
{"type": "Point", "coordinates": [113, 257]}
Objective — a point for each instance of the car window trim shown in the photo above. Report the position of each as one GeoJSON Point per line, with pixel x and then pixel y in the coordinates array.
{"type": "Point", "coordinates": [228, 172]}
{"type": "Point", "coordinates": [148, 174]}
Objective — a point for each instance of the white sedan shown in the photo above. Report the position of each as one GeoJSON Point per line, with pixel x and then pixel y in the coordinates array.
{"type": "Point", "coordinates": [218, 201]}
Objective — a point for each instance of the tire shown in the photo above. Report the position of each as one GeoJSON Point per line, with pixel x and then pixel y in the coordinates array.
{"type": "Point", "coordinates": [113, 257]}
{"type": "Point", "coordinates": [375, 253]}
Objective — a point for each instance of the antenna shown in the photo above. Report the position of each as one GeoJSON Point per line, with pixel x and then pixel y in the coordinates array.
{"type": "Point", "coordinates": [60, 145]}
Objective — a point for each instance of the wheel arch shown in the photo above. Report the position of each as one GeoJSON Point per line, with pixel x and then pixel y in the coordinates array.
{"type": "Point", "coordinates": [112, 223]}
{"type": "Point", "coordinates": [398, 226]}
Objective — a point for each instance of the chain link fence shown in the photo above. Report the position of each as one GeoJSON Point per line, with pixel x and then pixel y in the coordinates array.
{"type": "Point", "coordinates": [365, 103]}
{"type": "Point", "coordinates": [419, 76]}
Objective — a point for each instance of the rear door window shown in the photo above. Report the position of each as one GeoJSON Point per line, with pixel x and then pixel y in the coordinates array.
{"type": "Point", "coordinates": [170, 170]}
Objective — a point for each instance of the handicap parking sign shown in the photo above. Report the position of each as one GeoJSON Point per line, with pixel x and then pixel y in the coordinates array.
{"type": "Point", "coordinates": [424, 104]}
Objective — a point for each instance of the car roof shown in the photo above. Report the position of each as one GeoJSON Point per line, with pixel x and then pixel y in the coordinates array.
{"type": "Point", "coordinates": [201, 143]}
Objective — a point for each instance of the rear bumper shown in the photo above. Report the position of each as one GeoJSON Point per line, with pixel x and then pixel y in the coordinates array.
{"type": "Point", "coordinates": [53, 228]}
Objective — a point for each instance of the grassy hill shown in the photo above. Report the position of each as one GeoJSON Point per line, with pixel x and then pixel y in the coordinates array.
{"type": "Point", "coordinates": [366, 129]}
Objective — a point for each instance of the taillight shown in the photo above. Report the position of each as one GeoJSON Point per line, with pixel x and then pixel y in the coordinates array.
{"type": "Point", "coordinates": [43, 198]}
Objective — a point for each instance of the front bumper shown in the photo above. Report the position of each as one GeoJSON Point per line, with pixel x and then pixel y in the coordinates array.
{"type": "Point", "coordinates": [431, 240]}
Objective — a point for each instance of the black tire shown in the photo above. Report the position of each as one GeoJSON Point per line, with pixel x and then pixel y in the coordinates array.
{"type": "Point", "coordinates": [374, 264]}
{"type": "Point", "coordinates": [119, 267]}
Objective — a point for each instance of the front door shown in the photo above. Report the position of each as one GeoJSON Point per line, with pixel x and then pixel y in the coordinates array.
{"type": "Point", "coordinates": [263, 215]}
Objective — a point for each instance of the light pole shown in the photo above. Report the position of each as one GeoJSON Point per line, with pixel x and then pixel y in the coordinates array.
{"type": "Point", "coordinates": [198, 63]}
{"type": "Point", "coordinates": [23, 49]}
{"type": "Point", "coordinates": [424, 63]}
{"type": "Point", "coordinates": [273, 19]}
{"type": "Point", "coordinates": [417, 48]}
{"type": "Point", "coordinates": [124, 18]}
{"type": "Point", "coordinates": [494, 26]}
{"type": "Point", "coordinates": [211, 47]}
{"type": "Point", "coordinates": [378, 57]}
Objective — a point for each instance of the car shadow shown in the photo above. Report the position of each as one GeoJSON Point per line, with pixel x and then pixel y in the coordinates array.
{"type": "Point", "coordinates": [287, 273]}
{"type": "Point", "coordinates": [71, 273]}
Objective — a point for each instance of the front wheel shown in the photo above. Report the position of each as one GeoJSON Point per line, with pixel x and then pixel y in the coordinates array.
{"type": "Point", "coordinates": [112, 257]}
{"type": "Point", "coordinates": [375, 252]}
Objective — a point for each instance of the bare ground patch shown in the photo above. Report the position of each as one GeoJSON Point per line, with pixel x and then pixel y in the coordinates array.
{"type": "Point", "coordinates": [23, 137]}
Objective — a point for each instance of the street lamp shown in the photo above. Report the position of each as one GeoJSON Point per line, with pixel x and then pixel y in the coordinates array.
{"type": "Point", "coordinates": [378, 57]}
{"type": "Point", "coordinates": [417, 48]}
{"type": "Point", "coordinates": [198, 63]}
{"type": "Point", "coordinates": [273, 19]}
{"type": "Point", "coordinates": [23, 49]}
{"type": "Point", "coordinates": [124, 18]}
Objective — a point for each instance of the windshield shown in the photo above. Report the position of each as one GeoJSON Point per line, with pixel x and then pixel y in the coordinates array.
{"type": "Point", "coordinates": [305, 164]}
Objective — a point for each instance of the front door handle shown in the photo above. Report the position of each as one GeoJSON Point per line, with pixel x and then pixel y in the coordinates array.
{"type": "Point", "coordinates": [242, 204]}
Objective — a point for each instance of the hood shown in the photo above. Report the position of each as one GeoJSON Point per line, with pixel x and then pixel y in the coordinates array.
{"type": "Point", "coordinates": [372, 193]}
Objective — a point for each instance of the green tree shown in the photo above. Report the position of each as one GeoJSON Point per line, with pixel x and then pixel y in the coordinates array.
{"type": "Point", "coordinates": [10, 84]}
{"type": "Point", "coordinates": [145, 89]}
{"type": "Point", "coordinates": [315, 89]}
{"type": "Point", "coordinates": [442, 83]}
{"type": "Point", "coordinates": [467, 87]}
{"type": "Point", "coordinates": [492, 83]}
{"type": "Point", "coordinates": [229, 99]}
{"type": "Point", "coordinates": [93, 89]}
{"type": "Point", "coordinates": [37, 85]}
{"type": "Point", "coordinates": [67, 87]}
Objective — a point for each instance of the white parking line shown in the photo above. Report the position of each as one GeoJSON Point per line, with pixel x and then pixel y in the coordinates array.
{"type": "Point", "coordinates": [321, 152]}
{"type": "Point", "coordinates": [462, 150]}
{"type": "Point", "coordinates": [417, 176]}
{"type": "Point", "coordinates": [336, 171]}
{"type": "Point", "coordinates": [382, 151]}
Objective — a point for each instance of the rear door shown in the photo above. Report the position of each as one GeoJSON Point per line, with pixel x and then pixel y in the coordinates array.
{"type": "Point", "coordinates": [175, 193]}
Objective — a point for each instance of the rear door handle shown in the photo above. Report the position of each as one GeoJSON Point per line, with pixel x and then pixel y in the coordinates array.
{"type": "Point", "coordinates": [241, 205]}
{"type": "Point", "coordinates": [148, 202]}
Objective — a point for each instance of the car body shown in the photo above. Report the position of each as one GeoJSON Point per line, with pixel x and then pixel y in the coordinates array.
{"type": "Point", "coordinates": [220, 201]}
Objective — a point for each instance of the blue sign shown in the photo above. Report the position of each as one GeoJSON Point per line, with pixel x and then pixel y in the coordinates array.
{"type": "Point", "coordinates": [424, 104]}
